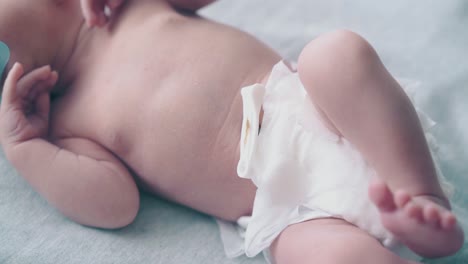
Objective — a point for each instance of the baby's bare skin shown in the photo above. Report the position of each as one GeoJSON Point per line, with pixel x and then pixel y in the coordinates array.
{"type": "Point", "coordinates": [152, 98]}
{"type": "Point", "coordinates": [168, 105]}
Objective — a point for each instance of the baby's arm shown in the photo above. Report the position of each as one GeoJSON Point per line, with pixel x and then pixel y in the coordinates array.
{"type": "Point", "coordinates": [93, 10]}
{"type": "Point", "coordinates": [82, 179]}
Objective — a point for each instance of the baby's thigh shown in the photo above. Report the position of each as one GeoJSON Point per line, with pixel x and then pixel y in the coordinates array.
{"type": "Point", "coordinates": [331, 241]}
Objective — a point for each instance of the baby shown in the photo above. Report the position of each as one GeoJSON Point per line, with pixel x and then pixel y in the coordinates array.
{"type": "Point", "coordinates": [148, 97]}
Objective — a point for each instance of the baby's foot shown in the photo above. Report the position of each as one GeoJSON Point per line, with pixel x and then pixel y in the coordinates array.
{"type": "Point", "coordinates": [423, 223]}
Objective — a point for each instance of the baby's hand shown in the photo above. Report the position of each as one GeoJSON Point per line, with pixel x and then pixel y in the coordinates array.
{"type": "Point", "coordinates": [94, 10]}
{"type": "Point", "coordinates": [24, 110]}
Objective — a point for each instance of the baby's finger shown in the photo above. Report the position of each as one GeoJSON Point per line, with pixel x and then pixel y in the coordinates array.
{"type": "Point", "coordinates": [91, 10]}
{"type": "Point", "coordinates": [42, 102]}
{"type": "Point", "coordinates": [43, 106]}
{"type": "Point", "coordinates": [87, 12]}
{"type": "Point", "coordinates": [9, 91]}
{"type": "Point", "coordinates": [53, 78]}
{"type": "Point", "coordinates": [44, 86]}
{"type": "Point", "coordinates": [114, 4]}
{"type": "Point", "coordinates": [101, 20]}
{"type": "Point", "coordinates": [27, 82]}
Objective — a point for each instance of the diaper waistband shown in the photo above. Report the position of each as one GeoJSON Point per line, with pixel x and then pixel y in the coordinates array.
{"type": "Point", "coordinates": [252, 99]}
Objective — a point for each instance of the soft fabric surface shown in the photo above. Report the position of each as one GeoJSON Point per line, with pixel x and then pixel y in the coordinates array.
{"type": "Point", "coordinates": [424, 40]}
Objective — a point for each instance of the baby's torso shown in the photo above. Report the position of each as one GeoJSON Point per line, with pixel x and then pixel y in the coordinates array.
{"type": "Point", "coordinates": [161, 91]}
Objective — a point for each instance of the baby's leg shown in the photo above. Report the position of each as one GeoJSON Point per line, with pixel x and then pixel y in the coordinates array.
{"type": "Point", "coordinates": [330, 241]}
{"type": "Point", "coordinates": [360, 100]}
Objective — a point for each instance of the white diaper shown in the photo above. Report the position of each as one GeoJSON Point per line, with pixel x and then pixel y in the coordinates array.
{"type": "Point", "coordinates": [302, 170]}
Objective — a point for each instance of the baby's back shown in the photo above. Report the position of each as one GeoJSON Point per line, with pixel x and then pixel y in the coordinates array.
{"type": "Point", "coordinates": [161, 91]}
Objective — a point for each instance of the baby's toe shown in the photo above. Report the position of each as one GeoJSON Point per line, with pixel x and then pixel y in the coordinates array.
{"type": "Point", "coordinates": [431, 215]}
{"type": "Point", "coordinates": [414, 211]}
{"type": "Point", "coordinates": [402, 198]}
{"type": "Point", "coordinates": [381, 195]}
{"type": "Point", "coordinates": [448, 220]}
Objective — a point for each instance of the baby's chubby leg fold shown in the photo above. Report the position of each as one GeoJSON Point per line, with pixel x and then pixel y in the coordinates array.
{"type": "Point", "coordinates": [346, 80]}
{"type": "Point", "coordinates": [331, 241]}
{"type": "Point", "coordinates": [363, 103]}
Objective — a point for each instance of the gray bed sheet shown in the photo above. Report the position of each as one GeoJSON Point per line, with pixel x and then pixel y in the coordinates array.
{"type": "Point", "coordinates": [425, 40]}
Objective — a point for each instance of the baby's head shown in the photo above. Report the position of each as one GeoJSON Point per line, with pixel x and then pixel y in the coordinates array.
{"type": "Point", "coordinates": [35, 31]}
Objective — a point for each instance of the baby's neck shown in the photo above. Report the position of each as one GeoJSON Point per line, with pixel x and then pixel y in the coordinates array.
{"type": "Point", "coordinates": [68, 52]}
{"type": "Point", "coordinates": [87, 45]}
